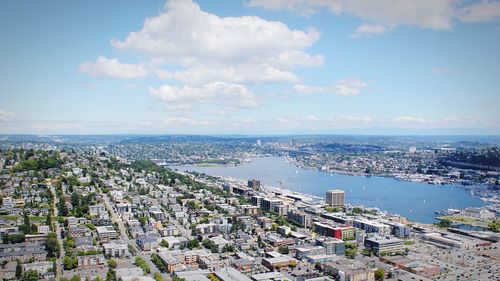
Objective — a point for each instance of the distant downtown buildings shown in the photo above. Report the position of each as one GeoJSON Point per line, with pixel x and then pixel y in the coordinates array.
{"type": "Point", "coordinates": [335, 198]}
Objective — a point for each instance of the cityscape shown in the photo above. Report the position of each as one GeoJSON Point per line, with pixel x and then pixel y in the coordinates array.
{"type": "Point", "coordinates": [277, 140]}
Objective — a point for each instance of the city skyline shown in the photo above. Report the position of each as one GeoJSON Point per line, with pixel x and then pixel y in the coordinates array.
{"type": "Point", "coordinates": [250, 67]}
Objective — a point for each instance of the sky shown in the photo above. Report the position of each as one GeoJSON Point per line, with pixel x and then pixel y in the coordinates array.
{"type": "Point", "coordinates": [250, 67]}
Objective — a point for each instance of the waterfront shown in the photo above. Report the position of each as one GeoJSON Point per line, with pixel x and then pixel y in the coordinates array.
{"type": "Point", "coordinates": [416, 201]}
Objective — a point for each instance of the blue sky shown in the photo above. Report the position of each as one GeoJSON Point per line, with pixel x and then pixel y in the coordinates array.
{"type": "Point", "coordinates": [250, 67]}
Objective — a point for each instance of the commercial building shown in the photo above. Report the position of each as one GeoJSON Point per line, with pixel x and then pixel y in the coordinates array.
{"type": "Point", "coordinates": [335, 198]}
{"type": "Point", "coordinates": [269, 204]}
{"type": "Point", "coordinates": [116, 249]}
{"type": "Point", "coordinates": [333, 246]}
{"type": "Point", "coordinates": [339, 232]}
{"type": "Point", "coordinates": [384, 245]}
{"type": "Point", "coordinates": [300, 217]}
{"type": "Point", "coordinates": [106, 232]}
{"type": "Point", "coordinates": [254, 184]}
{"type": "Point", "coordinates": [349, 270]}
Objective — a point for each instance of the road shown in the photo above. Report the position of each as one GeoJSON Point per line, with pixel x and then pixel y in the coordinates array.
{"type": "Point", "coordinates": [59, 264]}
{"type": "Point", "coordinates": [124, 236]}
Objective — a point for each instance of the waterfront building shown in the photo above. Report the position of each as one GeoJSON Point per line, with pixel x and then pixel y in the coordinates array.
{"type": "Point", "coordinates": [269, 204]}
{"type": "Point", "coordinates": [253, 184]}
{"type": "Point", "coordinates": [335, 198]}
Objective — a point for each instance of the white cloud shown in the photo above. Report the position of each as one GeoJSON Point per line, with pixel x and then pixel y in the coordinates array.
{"type": "Point", "coordinates": [422, 13]}
{"type": "Point", "coordinates": [432, 14]}
{"type": "Point", "coordinates": [368, 30]}
{"type": "Point", "coordinates": [245, 49]}
{"type": "Point", "coordinates": [480, 12]}
{"type": "Point", "coordinates": [48, 126]}
{"type": "Point", "coordinates": [229, 96]}
{"type": "Point", "coordinates": [410, 119]}
{"type": "Point", "coordinates": [316, 122]}
{"type": "Point", "coordinates": [440, 70]}
{"type": "Point", "coordinates": [406, 121]}
{"type": "Point", "coordinates": [183, 121]}
{"type": "Point", "coordinates": [112, 68]}
{"type": "Point", "coordinates": [344, 87]}
{"type": "Point", "coordinates": [6, 116]}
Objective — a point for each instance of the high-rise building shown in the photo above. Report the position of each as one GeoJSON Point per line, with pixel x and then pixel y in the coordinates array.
{"type": "Point", "coordinates": [253, 184]}
{"type": "Point", "coordinates": [335, 198]}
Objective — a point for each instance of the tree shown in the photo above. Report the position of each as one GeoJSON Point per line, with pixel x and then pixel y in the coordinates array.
{"type": "Point", "coordinates": [444, 223]}
{"type": "Point", "coordinates": [48, 221]}
{"type": "Point", "coordinates": [69, 263]}
{"type": "Point", "coordinates": [210, 245]}
{"type": "Point", "coordinates": [112, 263]}
{"type": "Point", "coordinates": [283, 250]}
{"type": "Point", "coordinates": [157, 276]}
{"type": "Point", "coordinates": [30, 275]}
{"type": "Point", "coordinates": [111, 275]}
{"type": "Point", "coordinates": [379, 274]}
{"type": "Point", "coordinates": [164, 243]}
{"type": "Point", "coordinates": [52, 245]}
{"type": "Point", "coordinates": [191, 244]}
{"type": "Point", "coordinates": [75, 278]}
{"type": "Point", "coordinates": [19, 270]}
{"type": "Point", "coordinates": [62, 208]}
{"type": "Point", "coordinates": [228, 248]}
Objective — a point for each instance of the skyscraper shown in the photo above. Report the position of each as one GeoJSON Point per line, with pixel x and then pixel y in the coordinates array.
{"type": "Point", "coordinates": [335, 198]}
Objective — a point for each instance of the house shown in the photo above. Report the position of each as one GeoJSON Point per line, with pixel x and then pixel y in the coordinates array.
{"type": "Point", "coordinates": [220, 242]}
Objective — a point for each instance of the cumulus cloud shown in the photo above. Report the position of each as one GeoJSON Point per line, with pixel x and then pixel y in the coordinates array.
{"type": "Point", "coordinates": [112, 68]}
{"type": "Point", "coordinates": [368, 30]}
{"type": "Point", "coordinates": [422, 13]}
{"type": "Point", "coordinates": [480, 12]}
{"type": "Point", "coordinates": [432, 14]}
{"type": "Point", "coordinates": [229, 96]}
{"type": "Point", "coordinates": [344, 87]}
{"type": "Point", "coordinates": [6, 116]}
{"type": "Point", "coordinates": [245, 49]}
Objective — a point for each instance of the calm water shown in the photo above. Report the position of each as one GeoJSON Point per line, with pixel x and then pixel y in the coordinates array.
{"type": "Point", "coordinates": [416, 201]}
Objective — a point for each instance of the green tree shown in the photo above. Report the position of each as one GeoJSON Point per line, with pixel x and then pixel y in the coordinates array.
{"type": "Point", "coordinates": [69, 263]}
{"type": "Point", "coordinates": [112, 263]}
{"type": "Point", "coordinates": [48, 221]}
{"type": "Point", "coordinates": [283, 250]}
{"type": "Point", "coordinates": [19, 270]}
{"type": "Point", "coordinates": [191, 244]}
{"type": "Point", "coordinates": [157, 276]}
{"type": "Point", "coordinates": [111, 275]}
{"type": "Point", "coordinates": [164, 243]}
{"type": "Point", "coordinates": [52, 245]}
{"type": "Point", "coordinates": [30, 275]}
{"type": "Point", "coordinates": [379, 274]}
{"type": "Point", "coordinates": [75, 278]}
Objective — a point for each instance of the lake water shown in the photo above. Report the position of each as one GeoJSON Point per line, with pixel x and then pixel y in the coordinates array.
{"type": "Point", "coordinates": [416, 201]}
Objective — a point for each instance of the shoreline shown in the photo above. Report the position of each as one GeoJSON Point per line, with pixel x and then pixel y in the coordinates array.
{"type": "Point", "coordinates": [471, 188]}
